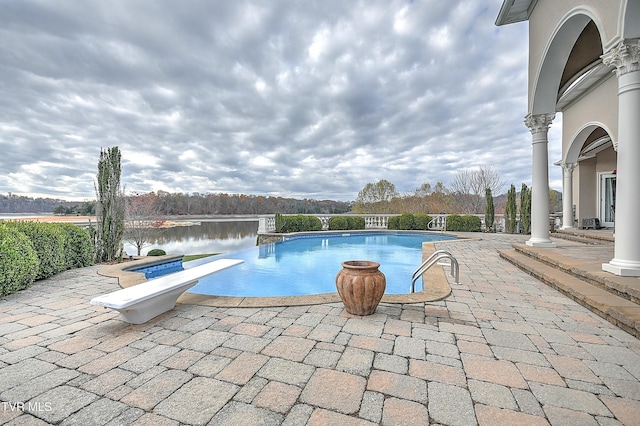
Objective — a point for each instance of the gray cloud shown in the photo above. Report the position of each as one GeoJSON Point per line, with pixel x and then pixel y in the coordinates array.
{"type": "Point", "coordinates": [290, 98]}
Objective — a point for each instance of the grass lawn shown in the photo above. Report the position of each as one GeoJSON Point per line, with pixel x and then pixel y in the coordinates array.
{"type": "Point", "coordinates": [189, 257]}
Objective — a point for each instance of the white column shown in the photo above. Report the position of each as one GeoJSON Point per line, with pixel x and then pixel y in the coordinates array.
{"type": "Point", "coordinates": [539, 126]}
{"type": "Point", "coordinates": [626, 58]}
{"type": "Point", "coordinates": [567, 194]}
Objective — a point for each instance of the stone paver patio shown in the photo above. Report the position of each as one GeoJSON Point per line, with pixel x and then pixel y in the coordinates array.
{"type": "Point", "coordinates": [503, 349]}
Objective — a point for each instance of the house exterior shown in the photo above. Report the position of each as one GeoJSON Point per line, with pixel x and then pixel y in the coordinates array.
{"type": "Point", "coordinates": [584, 63]}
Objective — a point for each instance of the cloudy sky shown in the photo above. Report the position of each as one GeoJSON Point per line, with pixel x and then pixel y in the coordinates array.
{"type": "Point", "coordinates": [305, 99]}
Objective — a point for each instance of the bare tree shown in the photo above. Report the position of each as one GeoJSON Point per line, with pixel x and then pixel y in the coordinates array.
{"type": "Point", "coordinates": [376, 197]}
{"type": "Point", "coordinates": [463, 191]}
{"type": "Point", "coordinates": [142, 220]}
{"type": "Point", "coordinates": [469, 186]}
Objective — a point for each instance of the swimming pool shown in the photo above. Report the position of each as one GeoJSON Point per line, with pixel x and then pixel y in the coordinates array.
{"type": "Point", "coordinates": [160, 269]}
{"type": "Point", "coordinates": [308, 264]}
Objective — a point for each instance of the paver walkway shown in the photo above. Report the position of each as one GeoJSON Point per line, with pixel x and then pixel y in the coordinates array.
{"type": "Point", "coordinates": [503, 349]}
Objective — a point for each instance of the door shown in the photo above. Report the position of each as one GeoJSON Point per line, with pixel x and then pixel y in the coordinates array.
{"type": "Point", "coordinates": [607, 199]}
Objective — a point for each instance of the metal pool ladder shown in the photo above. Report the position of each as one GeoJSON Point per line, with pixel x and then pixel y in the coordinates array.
{"type": "Point", "coordinates": [434, 259]}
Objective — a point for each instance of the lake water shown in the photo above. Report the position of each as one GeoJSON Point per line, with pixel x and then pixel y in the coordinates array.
{"type": "Point", "coordinates": [212, 236]}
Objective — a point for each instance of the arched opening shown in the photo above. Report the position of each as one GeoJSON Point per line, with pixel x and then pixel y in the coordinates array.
{"type": "Point", "coordinates": [594, 178]}
{"type": "Point", "coordinates": [566, 58]}
{"type": "Point", "coordinates": [584, 56]}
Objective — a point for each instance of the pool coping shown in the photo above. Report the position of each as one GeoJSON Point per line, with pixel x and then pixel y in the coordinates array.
{"type": "Point", "coordinates": [438, 287]}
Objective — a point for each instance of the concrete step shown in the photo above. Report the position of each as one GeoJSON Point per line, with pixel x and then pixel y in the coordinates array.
{"type": "Point", "coordinates": [585, 236]}
{"type": "Point", "coordinates": [592, 273]}
{"type": "Point", "coordinates": [618, 310]}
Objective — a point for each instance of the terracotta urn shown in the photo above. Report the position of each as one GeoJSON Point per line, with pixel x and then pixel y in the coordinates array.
{"type": "Point", "coordinates": [360, 285]}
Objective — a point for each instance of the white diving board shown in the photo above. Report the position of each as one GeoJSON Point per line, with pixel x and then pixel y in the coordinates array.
{"type": "Point", "coordinates": [140, 303]}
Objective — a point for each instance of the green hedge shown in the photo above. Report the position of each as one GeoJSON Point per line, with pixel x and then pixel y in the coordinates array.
{"type": "Point", "coordinates": [467, 223]}
{"type": "Point", "coordinates": [19, 263]}
{"type": "Point", "coordinates": [78, 248]}
{"type": "Point", "coordinates": [340, 223]}
{"type": "Point", "coordinates": [57, 246]}
{"type": "Point", "coordinates": [393, 222]}
{"type": "Point", "coordinates": [297, 223]}
{"type": "Point", "coordinates": [356, 222]}
{"type": "Point", "coordinates": [409, 221]}
{"type": "Point", "coordinates": [156, 252]}
{"type": "Point", "coordinates": [48, 240]}
{"type": "Point", "coordinates": [422, 221]}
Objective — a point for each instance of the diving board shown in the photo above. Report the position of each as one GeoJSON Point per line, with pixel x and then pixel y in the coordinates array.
{"type": "Point", "coordinates": [140, 303]}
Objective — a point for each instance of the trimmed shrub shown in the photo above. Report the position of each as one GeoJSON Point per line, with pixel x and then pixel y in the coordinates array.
{"type": "Point", "coordinates": [472, 223]}
{"type": "Point", "coordinates": [511, 210]}
{"type": "Point", "coordinates": [156, 252]}
{"type": "Point", "coordinates": [279, 223]}
{"type": "Point", "coordinates": [341, 223]}
{"type": "Point", "coordinates": [525, 209]}
{"type": "Point", "coordinates": [406, 221]}
{"type": "Point", "coordinates": [285, 225]}
{"type": "Point", "coordinates": [459, 223]}
{"type": "Point", "coordinates": [48, 241]}
{"type": "Point", "coordinates": [409, 221]}
{"type": "Point", "coordinates": [489, 212]}
{"type": "Point", "coordinates": [393, 222]}
{"type": "Point", "coordinates": [299, 223]}
{"type": "Point", "coordinates": [19, 262]}
{"type": "Point", "coordinates": [78, 246]}
{"type": "Point", "coordinates": [422, 221]}
{"type": "Point", "coordinates": [351, 222]}
{"type": "Point", "coordinates": [338, 223]}
{"type": "Point", "coordinates": [314, 224]}
{"type": "Point", "coordinates": [358, 222]}
{"type": "Point", "coordinates": [454, 222]}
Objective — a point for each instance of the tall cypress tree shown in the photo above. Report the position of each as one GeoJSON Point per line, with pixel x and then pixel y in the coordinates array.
{"type": "Point", "coordinates": [109, 207]}
{"type": "Point", "coordinates": [489, 211]}
{"type": "Point", "coordinates": [511, 210]}
{"type": "Point", "coordinates": [525, 209]}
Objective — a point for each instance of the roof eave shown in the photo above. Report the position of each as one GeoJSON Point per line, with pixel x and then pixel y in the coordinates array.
{"type": "Point", "coordinates": [509, 15]}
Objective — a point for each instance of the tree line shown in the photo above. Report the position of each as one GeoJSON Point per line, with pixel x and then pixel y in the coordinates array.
{"type": "Point", "coordinates": [12, 203]}
{"type": "Point", "coordinates": [467, 194]}
{"type": "Point", "coordinates": [183, 203]}
{"type": "Point", "coordinates": [227, 204]}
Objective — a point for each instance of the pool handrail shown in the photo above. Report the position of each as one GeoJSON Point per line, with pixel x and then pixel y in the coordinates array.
{"type": "Point", "coordinates": [432, 260]}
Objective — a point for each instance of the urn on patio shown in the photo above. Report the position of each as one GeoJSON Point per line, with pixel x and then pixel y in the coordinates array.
{"type": "Point", "coordinates": [360, 285]}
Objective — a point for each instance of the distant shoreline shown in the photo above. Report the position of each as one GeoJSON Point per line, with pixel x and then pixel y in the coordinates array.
{"type": "Point", "coordinates": [85, 220]}
{"type": "Point", "coordinates": [34, 217]}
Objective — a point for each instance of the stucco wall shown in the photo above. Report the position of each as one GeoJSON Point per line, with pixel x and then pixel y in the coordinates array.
{"type": "Point", "coordinates": [606, 161]}
{"type": "Point", "coordinates": [598, 106]}
{"type": "Point", "coordinates": [586, 181]}
{"type": "Point", "coordinates": [585, 184]}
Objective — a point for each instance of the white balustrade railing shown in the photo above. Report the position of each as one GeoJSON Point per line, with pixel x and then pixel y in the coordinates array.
{"type": "Point", "coordinates": [267, 223]}
{"type": "Point", "coordinates": [376, 221]}
{"type": "Point", "coordinates": [438, 223]}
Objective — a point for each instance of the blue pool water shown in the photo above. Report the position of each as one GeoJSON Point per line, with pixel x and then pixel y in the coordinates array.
{"type": "Point", "coordinates": [160, 269]}
{"type": "Point", "coordinates": [308, 264]}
